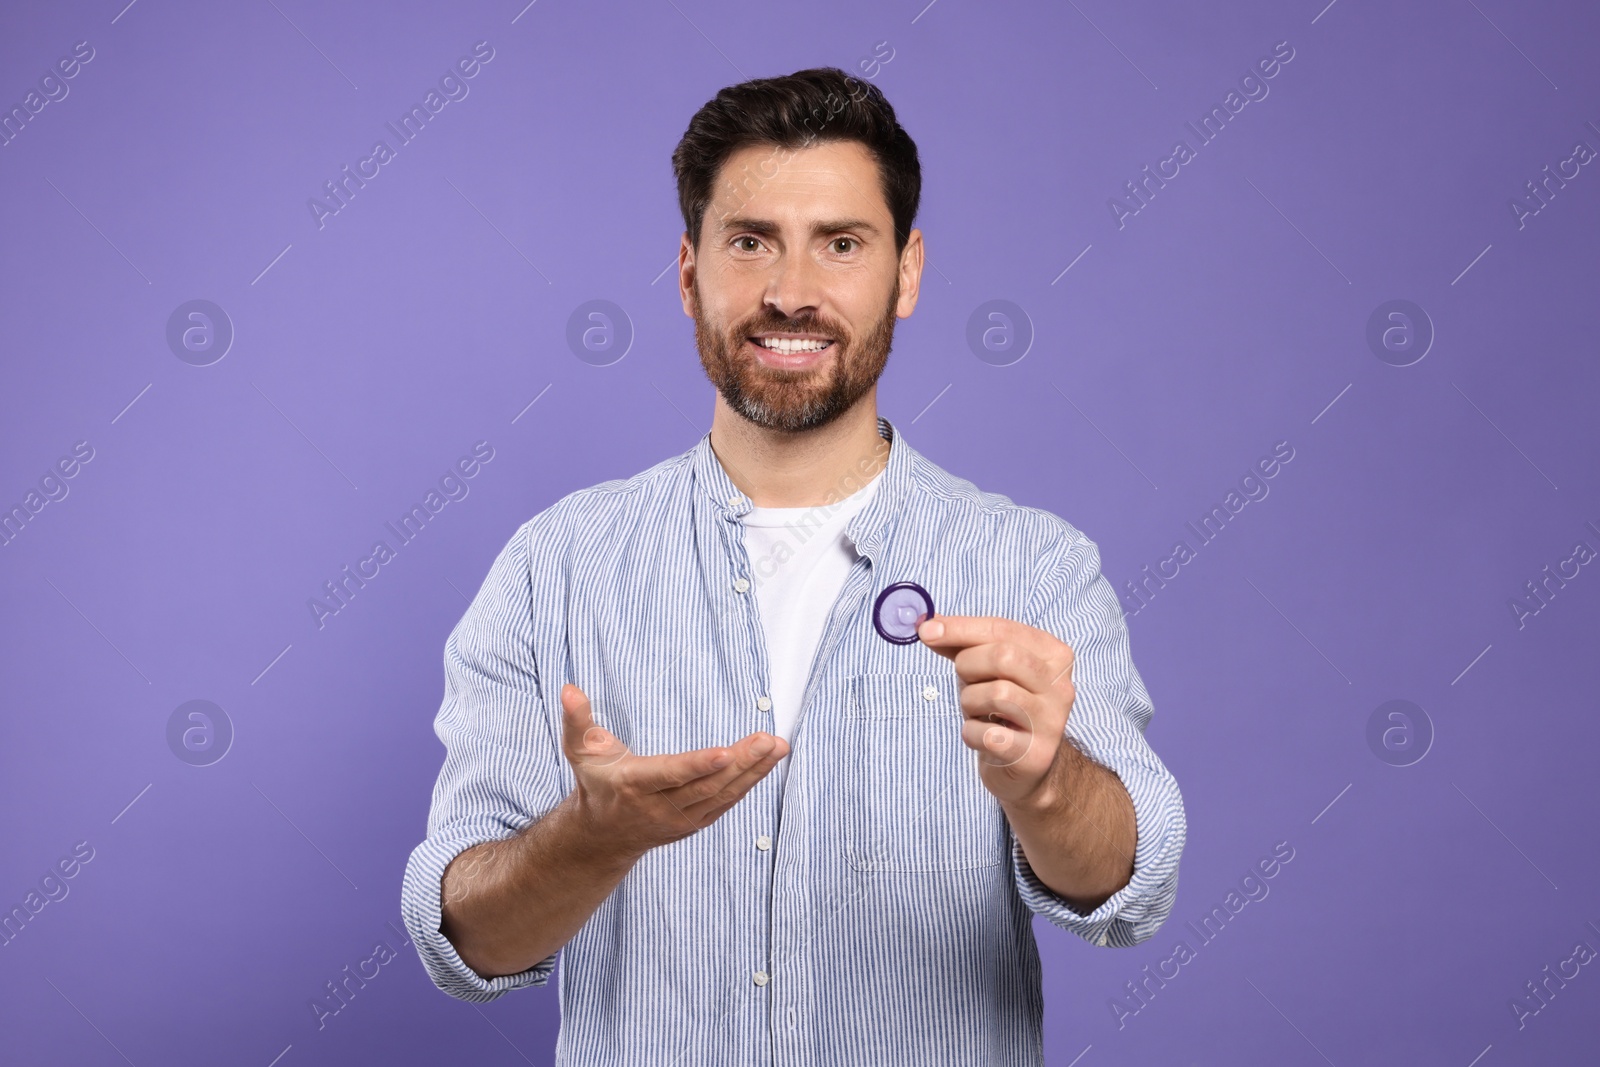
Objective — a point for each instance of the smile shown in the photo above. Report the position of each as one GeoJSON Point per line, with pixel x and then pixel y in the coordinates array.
{"type": "Point", "coordinates": [790, 351]}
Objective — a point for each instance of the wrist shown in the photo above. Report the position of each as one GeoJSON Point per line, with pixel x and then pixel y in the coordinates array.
{"type": "Point", "coordinates": [1048, 798]}
{"type": "Point", "coordinates": [595, 838]}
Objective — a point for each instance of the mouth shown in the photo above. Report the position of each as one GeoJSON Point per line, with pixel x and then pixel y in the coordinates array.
{"type": "Point", "coordinates": [790, 351]}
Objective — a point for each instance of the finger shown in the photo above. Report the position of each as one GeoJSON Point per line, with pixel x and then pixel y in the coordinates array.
{"type": "Point", "coordinates": [1009, 704]}
{"type": "Point", "coordinates": [747, 753]}
{"type": "Point", "coordinates": [1001, 746]}
{"type": "Point", "coordinates": [709, 810]}
{"type": "Point", "coordinates": [736, 759]}
{"type": "Point", "coordinates": [707, 818]}
{"type": "Point", "coordinates": [1009, 660]}
{"type": "Point", "coordinates": [941, 632]}
{"type": "Point", "coordinates": [576, 715]}
{"type": "Point", "coordinates": [945, 632]}
{"type": "Point", "coordinates": [948, 635]}
{"type": "Point", "coordinates": [581, 738]}
{"type": "Point", "coordinates": [675, 769]}
{"type": "Point", "coordinates": [947, 651]}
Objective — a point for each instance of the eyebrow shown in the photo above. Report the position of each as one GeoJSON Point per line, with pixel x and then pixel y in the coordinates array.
{"type": "Point", "coordinates": [768, 227]}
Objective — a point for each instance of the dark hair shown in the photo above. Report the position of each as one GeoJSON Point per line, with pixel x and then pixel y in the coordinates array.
{"type": "Point", "coordinates": [797, 110]}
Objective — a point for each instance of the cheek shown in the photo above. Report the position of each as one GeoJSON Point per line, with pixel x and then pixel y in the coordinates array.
{"type": "Point", "coordinates": [728, 300]}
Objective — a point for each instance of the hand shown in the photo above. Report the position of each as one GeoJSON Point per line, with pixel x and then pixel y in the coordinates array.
{"type": "Point", "coordinates": [635, 803]}
{"type": "Point", "coordinates": [1016, 694]}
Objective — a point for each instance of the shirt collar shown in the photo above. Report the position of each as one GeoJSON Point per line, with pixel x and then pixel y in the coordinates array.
{"type": "Point", "coordinates": [866, 529]}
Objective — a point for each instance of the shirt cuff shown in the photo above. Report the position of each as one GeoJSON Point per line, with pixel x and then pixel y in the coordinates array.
{"type": "Point", "coordinates": [420, 907]}
{"type": "Point", "coordinates": [1135, 912]}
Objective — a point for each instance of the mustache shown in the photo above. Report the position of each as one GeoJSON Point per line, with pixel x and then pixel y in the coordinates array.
{"type": "Point", "coordinates": [780, 325]}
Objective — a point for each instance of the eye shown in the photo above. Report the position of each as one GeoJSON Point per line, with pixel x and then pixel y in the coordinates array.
{"type": "Point", "coordinates": [843, 240]}
{"type": "Point", "coordinates": [739, 242]}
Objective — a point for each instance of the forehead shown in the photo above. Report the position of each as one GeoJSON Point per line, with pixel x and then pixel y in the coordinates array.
{"type": "Point", "coordinates": [836, 178]}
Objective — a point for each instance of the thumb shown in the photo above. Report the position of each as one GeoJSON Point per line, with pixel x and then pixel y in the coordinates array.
{"type": "Point", "coordinates": [582, 739]}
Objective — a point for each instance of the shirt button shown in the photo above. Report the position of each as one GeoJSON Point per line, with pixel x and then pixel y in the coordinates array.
{"type": "Point", "coordinates": [760, 978]}
{"type": "Point", "coordinates": [763, 842]}
{"type": "Point", "coordinates": [930, 693]}
{"type": "Point", "coordinates": [733, 501]}
{"type": "Point", "coordinates": [740, 585]}
{"type": "Point", "coordinates": [764, 703]}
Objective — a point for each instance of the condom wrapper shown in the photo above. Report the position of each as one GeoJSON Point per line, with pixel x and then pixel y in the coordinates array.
{"type": "Point", "coordinates": [899, 610]}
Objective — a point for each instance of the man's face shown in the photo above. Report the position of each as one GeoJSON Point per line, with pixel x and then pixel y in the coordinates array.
{"type": "Point", "coordinates": [795, 285]}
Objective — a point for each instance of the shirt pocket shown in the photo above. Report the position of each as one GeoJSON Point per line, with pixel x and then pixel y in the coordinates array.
{"type": "Point", "coordinates": [914, 801]}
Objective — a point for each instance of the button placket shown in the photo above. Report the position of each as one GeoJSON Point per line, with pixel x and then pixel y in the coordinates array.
{"type": "Point", "coordinates": [748, 620]}
{"type": "Point", "coordinates": [741, 584]}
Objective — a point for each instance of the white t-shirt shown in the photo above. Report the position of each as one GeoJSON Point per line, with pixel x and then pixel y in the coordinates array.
{"type": "Point", "coordinates": [799, 559]}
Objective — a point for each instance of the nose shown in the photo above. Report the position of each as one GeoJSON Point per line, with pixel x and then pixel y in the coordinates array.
{"type": "Point", "coordinates": [795, 286]}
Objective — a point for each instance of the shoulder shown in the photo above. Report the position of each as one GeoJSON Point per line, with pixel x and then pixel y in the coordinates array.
{"type": "Point", "coordinates": [954, 506]}
{"type": "Point", "coordinates": [601, 512]}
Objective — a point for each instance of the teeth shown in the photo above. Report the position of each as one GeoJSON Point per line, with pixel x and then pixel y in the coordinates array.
{"type": "Point", "coordinates": [788, 346]}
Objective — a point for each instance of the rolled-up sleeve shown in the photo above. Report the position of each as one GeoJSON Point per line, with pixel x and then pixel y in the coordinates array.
{"type": "Point", "coordinates": [502, 767]}
{"type": "Point", "coordinates": [1075, 602]}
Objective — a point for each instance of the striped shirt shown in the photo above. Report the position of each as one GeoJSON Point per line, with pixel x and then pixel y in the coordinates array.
{"type": "Point", "coordinates": [874, 908]}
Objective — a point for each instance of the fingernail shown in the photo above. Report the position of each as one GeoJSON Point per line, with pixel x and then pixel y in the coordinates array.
{"type": "Point", "coordinates": [761, 746]}
{"type": "Point", "coordinates": [931, 630]}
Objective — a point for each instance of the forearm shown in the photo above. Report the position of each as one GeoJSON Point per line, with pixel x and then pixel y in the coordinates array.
{"type": "Point", "coordinates": [1078, 830]}
{"type": "Point", "coordinates": [508, 904]}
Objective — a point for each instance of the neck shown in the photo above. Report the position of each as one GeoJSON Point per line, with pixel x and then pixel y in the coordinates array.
{"type": "Point", "coordinates": [808, 468]}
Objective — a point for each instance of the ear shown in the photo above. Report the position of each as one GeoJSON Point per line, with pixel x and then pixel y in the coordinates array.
{"type": "Point", "coordinates": [910, 275]}
{"type": "Point", "coordinates": [686, 267]}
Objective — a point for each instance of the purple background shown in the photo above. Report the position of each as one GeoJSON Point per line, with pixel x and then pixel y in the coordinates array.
{"type": "Point", "coordinates": [1229, 314]}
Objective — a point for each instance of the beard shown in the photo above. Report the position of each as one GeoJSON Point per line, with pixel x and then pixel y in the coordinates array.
{"type": "Point", "coordinates": [793, 400]}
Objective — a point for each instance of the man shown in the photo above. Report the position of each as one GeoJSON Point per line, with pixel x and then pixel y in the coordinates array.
{"type": "Point", "coordinates": [645, 653]}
